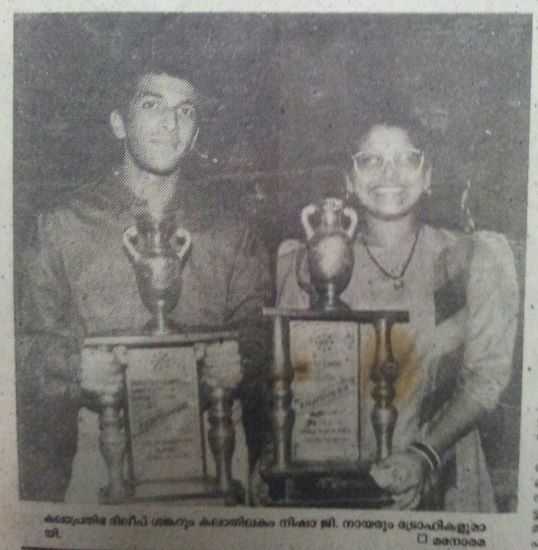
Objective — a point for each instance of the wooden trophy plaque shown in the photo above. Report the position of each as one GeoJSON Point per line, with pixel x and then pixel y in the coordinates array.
{"type": "Point", "coordinates": [325, 387]}
{"type": "Point", "coordinates": [153, 437]}
{"type": "Point", "coordinates": [316, 408]}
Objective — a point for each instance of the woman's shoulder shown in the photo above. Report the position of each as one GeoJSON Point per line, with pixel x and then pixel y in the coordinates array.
{"type": "Point", "coordinates": [490, 243]}
{"type": "Point", "coordinates": [478, 252]}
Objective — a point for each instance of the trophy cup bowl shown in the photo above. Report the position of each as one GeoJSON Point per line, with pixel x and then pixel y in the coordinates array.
{"type": "Point", "coordinates": [157, 248]}
{"type": "Point", "coordinates": [329, 252]}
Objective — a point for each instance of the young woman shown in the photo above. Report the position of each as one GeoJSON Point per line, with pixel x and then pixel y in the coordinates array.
{"type": "Point", "coordinates": [455, 354]}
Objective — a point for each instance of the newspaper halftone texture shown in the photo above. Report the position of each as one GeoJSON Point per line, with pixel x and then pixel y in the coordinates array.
{"type": "Point", "coordinates": [228, 125]}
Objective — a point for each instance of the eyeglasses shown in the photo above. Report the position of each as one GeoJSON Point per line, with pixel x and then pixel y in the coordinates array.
{"type": "Point", "coordinates": [408, 161]}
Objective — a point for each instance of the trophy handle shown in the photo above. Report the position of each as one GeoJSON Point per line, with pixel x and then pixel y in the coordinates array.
{"type": "Point", "coordinates": [130, 236]}
{"type": "Point", "coordinates": [181, 241]}
{"type": "Point", "coordinates": [306, 212]}
{"type": "Point", "coordinates": [353, 220]}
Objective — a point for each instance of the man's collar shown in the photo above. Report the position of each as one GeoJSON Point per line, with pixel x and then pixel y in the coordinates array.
{"type": "Point", "coordinates": [197, 205]}
{"type": "Point", "coordinates": [111, 193]}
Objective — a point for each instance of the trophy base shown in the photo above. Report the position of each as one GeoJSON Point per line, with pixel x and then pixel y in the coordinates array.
{"type": "Point", "coordinates": [328, 492]}
{"type": "Point", "coordinates": [167, 327]}
{"type": "Point", "coordinates": [189, 492]}
{"type": "Point", "coordinates": [324, 303]}
{"type": "Point", "coordinates": [162, 405]}
{"type": "Point", "coordinates": [313, 486]}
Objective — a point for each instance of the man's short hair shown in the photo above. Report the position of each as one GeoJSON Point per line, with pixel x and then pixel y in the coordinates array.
{"type": "Point", "coordinates": [129, 74]}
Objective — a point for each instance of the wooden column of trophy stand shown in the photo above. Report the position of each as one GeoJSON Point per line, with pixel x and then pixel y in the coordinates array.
{"type": "Point", "coordinates": [312, 465]}
{"type": "Point", "coordinates": [157, 424]}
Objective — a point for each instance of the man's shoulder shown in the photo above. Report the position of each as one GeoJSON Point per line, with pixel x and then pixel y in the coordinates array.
{"type": "Point", "coordinates": [68, 196]}
{"type": "Point", "coordinates": [202, 210]}
{"type": "Point", "coordinates": [216, 212]}
{"type": "Point", "coordinates": [61, 212]}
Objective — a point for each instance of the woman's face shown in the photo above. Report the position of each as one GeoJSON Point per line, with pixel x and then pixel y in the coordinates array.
{"type": "Point", "coordinates": [388, 174]}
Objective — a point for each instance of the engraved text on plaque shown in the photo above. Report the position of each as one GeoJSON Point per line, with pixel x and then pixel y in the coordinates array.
{"type": "Point", "coordinates": [324, 357]}
{"type": "Point", "coordinates": [164, 414]}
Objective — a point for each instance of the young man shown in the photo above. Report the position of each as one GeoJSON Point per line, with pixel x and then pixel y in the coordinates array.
{"type": "Point", "coordinates": [79, 281]}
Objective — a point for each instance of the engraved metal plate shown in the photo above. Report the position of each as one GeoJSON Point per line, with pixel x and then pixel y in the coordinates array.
{"type": "Point", "coordinates": [325, 360]}
{"type": "Point", "coordinates": [164, 414]}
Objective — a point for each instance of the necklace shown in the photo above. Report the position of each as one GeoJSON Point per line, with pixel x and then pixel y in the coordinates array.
{"type": "Point", "coordinates": [398, 279]}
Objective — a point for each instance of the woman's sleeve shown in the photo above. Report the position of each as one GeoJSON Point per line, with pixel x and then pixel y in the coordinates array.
{"type": "Point", "coordinates": [493, 303]}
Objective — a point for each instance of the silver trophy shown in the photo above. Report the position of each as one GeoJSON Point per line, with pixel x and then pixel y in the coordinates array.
{"type": "Point", "coordinates": [330, 252]}
{"type": "Point", "coordinates": [317, 453]}
{"type": "Point", "coordinates": [157, 249]}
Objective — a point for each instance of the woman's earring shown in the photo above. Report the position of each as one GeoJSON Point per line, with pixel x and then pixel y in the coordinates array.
{"type": "Point", "coordinates": [194, 140]}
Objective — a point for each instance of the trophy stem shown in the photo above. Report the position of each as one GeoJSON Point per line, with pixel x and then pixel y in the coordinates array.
{"type": "Point", "coordinates": [384, 370]}
{"type": "Point", "coordinates": [282, 415]}
{"type": "Point", "coordinates": [329, 300]}
{"type": "Point", "coordinates": [113, 444]}
{"type": "Point", "coordinates": [222, 436]}
{"type": "Point", "coordinates": [162, 327]}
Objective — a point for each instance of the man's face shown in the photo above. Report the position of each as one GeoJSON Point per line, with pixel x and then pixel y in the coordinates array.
{"type": "Point", "coordinates": [388, 173]}
{"type": "Point", "coordinates": [161, 123]}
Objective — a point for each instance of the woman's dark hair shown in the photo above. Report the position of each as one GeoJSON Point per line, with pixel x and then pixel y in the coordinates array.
{"type": "Point", "coordinates": [421, 137]}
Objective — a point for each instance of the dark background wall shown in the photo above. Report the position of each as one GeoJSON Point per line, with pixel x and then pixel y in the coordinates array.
{"type": "Point", "coordinates": [285, 93]}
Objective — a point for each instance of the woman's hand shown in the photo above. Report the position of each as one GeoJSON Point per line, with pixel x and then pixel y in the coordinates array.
{"type": "Point", "coordinates": [406, 476]}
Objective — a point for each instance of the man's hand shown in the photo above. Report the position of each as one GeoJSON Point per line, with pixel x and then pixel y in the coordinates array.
{"type": "Point", "coordinates": [102, 374]}
{"type": "Point", "coordinates": [222, 363]}
{"type": "Point", "coordinates": [406, 476]}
